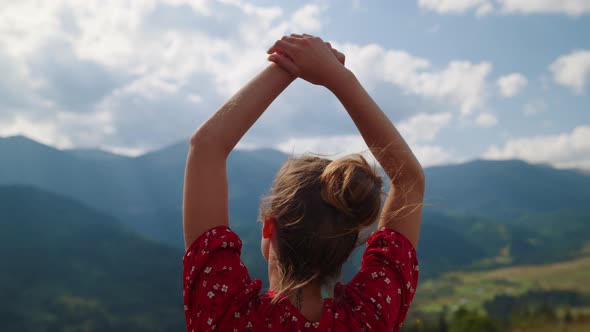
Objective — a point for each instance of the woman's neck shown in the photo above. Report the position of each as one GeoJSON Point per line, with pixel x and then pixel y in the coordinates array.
{"type": "Point", "coordinates": [308, 300]}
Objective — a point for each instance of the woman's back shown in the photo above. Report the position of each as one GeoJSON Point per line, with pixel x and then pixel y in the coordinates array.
{"type": "Point", "coordinates": [219, 294]}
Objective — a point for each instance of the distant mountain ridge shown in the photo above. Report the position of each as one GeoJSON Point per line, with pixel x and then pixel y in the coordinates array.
{"type": "Point", "coordinates": [477, 211]}
{"type": "Point", "coordinates": [94, 154]}
{"type": "Point", "coordinates": [505, 188]}
{"type": "Point", "coordinates": [151, 184]}
{"type": "Point", "coordinates": [145, 192]}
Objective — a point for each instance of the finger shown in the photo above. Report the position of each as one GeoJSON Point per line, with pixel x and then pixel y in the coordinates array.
{"type": "Point", "coordinates": [312, 37]}
{"type": "Point", "coordinates": [296, 35]}
{"type": "Point", "coordinates": [282, 46]}
{"type": "Point", "coordinates": [290, 39]}
{"type": "Point", "coordinates": [343, 57]}
{"type": "Point", "coordinates": [284, 62]}
{"type": "Point", "coordinates": [338, 55]}
{"type": "Point", "coordinates": [339, 58]}
{"type": "Point", "coordinates": [335, 53]}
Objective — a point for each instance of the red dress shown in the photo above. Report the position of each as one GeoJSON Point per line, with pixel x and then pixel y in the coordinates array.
{"type": "Point", "coordinates": [219, 294]}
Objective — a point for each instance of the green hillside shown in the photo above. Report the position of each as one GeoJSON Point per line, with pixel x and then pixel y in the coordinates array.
{"type": "Point", "coordinates": [525, 298]}
{"type": "Point", "coordinates": [473, 289]}
{"type": "Point", "coordinates": [533, 237]}
{"type": "Point", "coordinates": [70, 268]}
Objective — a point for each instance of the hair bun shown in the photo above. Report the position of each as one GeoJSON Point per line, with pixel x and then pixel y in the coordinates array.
{"type": "Point", "coordinates": [352, 186]}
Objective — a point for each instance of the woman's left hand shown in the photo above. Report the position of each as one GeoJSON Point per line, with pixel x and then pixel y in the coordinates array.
{"type": "Point", "coordinates": [308, 57]}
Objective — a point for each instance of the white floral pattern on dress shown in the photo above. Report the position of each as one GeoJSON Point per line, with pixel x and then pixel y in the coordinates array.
{"type": "Point", "coordinates": [227, 299]}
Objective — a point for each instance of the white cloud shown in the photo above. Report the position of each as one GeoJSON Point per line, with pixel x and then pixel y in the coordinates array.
{"type": "Point", "coordinates": [194, 98]}
{"type": "Point", "coordinates": [535, 106]}
{"type": "Point", "coordinates": [18, 84]}
{"type": "Point", "coordinates": [511, 85]}
{"type": "Point", "coordinates": [568, 7]}
{"type": "Point", "coordinates": [149, 87]}
{"type": "Point", "coordinates": [570, 149]}
{"type": "Point", "coordinates": [124, 151]}
{"type": "Point", "coordinates": [456, 6]}
{"type": "Point", "coordinates": [486, 120]}
{"type": "Point", "coordinates": [460, 83]}
{"type": "Point", "coordinates": [307, 18]}
{"type": "Point", "coordinates": [431, 155]}
{"type": "Point", "coordinates": [419, 128]}
{"type": "Point", "coordinates": [483, 7]}
{"type": "Point", "coordinates": [25, 25]}
{"type": "Point", "coordinates": [61, 129]}
{"type": "Point", "coordinates": [45, 132]}
{"type": "Point", "coordinates": [150, 69]}
{"type": "Point", "coordinates": [183, 72]}
{"type": "Point", "coordinates": [340, 145]}
{"type": "Point", "coordinates": [424, 127]}
{"type": "Point", "coordinates": [264, 13]}
{"type": "Point", "coordinates": [572, 70]}
{"type": "Point", "coordinates": [333, 146]}
{"type": "Point", "coordinates": [150, 65]}
{"type": "Point", "coordinates": [117, 35]}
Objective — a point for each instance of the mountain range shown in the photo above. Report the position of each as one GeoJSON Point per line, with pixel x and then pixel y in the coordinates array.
{"type": "Point", "coordinates": [92, 240]}
{"type": "Point", "coordinates": [479, 214]}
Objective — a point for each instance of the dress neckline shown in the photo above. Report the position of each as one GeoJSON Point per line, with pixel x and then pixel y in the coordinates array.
{"type": "Point", "coordinates": [327, 309]}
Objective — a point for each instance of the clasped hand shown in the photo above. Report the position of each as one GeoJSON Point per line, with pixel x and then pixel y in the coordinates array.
{"type": "Point", "coordinates": [308, 57]}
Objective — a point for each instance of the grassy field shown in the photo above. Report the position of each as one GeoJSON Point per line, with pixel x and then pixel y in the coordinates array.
{"type": "Point", "coordinates": [472, 289]}
{"type": "Point", "coordinates": [579, 327]}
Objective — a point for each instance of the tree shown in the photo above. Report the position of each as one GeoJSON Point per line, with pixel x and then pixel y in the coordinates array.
{"type": "Point", "coordinates": [442, 323]}
{"type": "Point", "coordinates": [470, 321]}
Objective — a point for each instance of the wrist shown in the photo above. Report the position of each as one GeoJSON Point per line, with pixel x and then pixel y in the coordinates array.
{"type": "Point", "coordinates": [280, 72]}
{"type": "Point", "coordinates": [343, 78]}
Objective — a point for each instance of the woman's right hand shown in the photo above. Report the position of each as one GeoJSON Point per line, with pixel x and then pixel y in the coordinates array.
{"type": "Point", "coordinates": [308, 57]}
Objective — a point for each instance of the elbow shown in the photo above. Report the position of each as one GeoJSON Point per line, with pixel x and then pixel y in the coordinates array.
{"type": "Point", "coordinates": [203, 139]}
{"type": "Point", "coordinates": [195, 140]}
{"type": "Point", "coordinates": [198, 143]}
{"type": "Point", "coordinates": [410, 177]}
{"type": "Point", "coordinates": [204, 145]}
{"type": "Point", "coordinates": [420, 176]}
{"type": "Point", "coordinates": [420, 179]}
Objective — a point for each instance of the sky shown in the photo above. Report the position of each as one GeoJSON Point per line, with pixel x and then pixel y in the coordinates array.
{"type": "Point", "coordinates": [461, 79]}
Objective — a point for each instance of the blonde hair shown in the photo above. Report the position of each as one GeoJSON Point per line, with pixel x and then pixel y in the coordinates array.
{"type": "Point", "coordinates": [319, 206]}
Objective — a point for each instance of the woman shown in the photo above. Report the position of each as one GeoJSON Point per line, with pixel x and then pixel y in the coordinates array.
{"type": "Point", "coordinates": [311, 219]}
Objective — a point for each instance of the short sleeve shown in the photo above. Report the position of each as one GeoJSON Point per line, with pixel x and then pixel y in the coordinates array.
{"type": "Point", "coordinates": [386, 283]}
{"type": "Point", "coordinates": [214, 279]}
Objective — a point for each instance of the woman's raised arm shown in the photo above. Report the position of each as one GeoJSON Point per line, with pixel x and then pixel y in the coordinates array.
{"type": "Point", "coordinates": [310, 59]}
{"type": "Point", "coordinates": [403, 206]}
{"type": "Point", "coordinates": [205, 198]}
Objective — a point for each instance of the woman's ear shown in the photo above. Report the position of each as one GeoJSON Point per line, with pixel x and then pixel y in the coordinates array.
{"type": "Point", "coordinates": [268, 227]}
